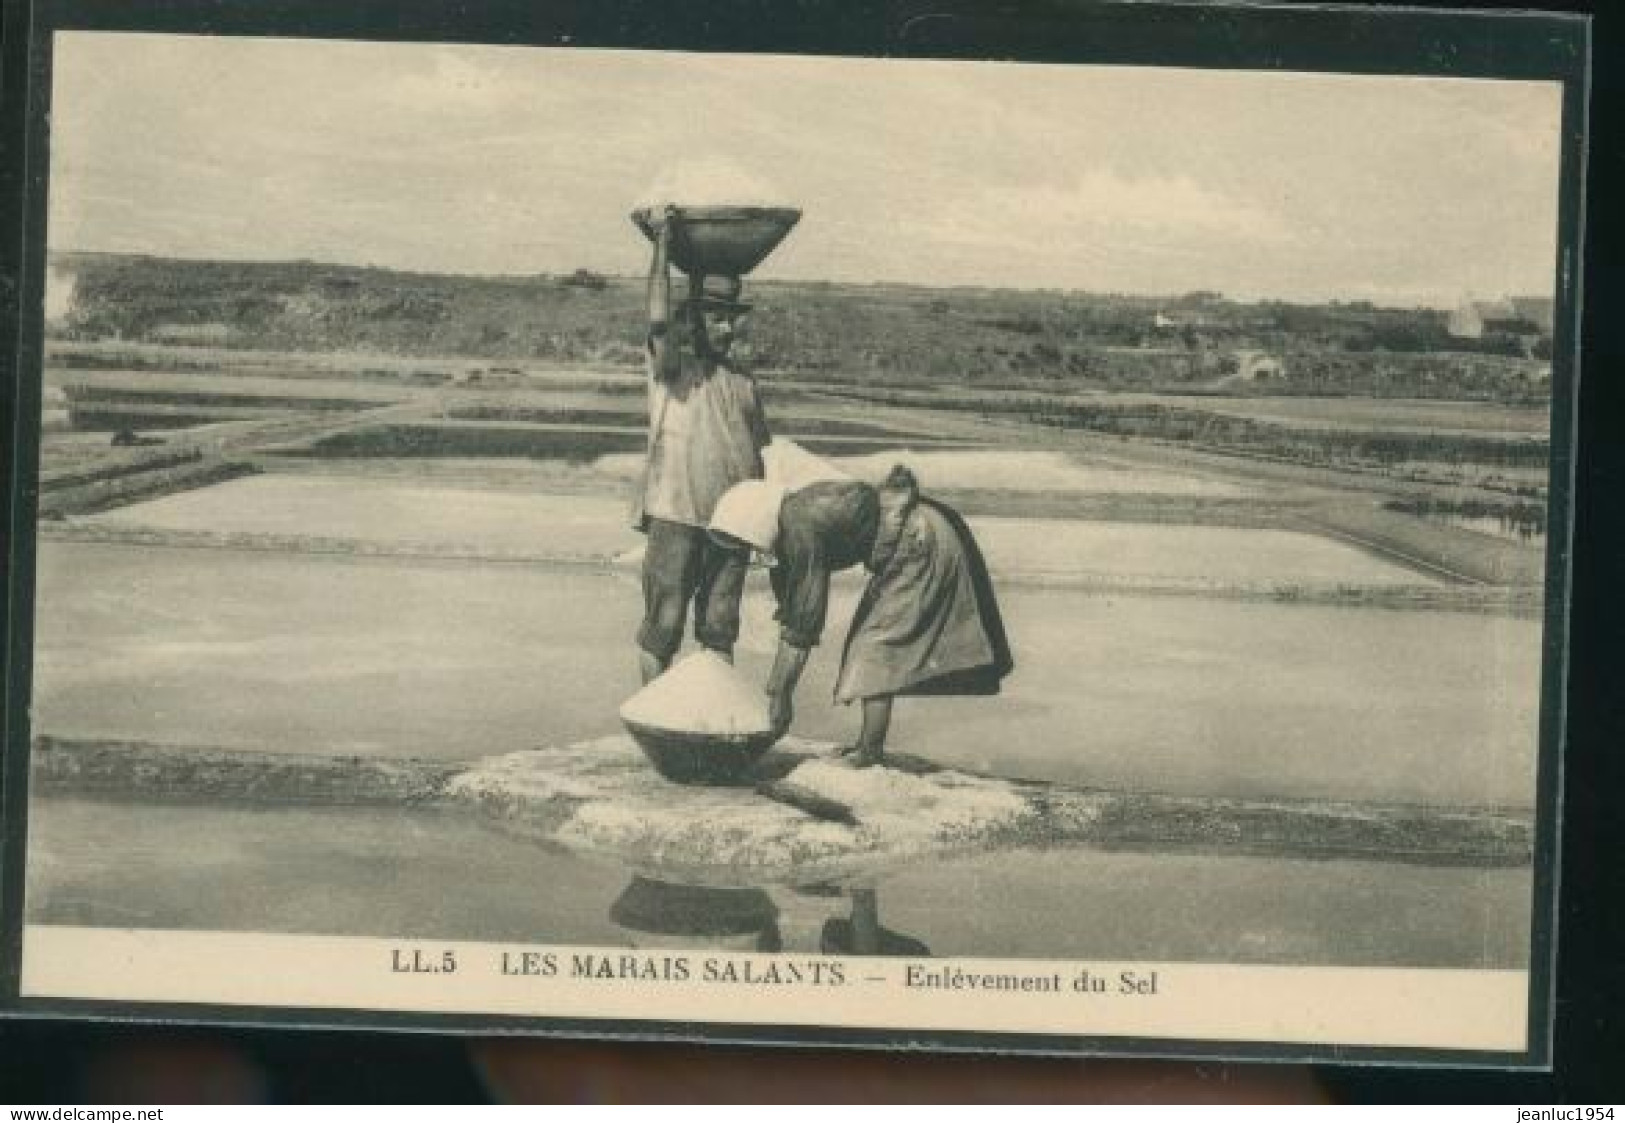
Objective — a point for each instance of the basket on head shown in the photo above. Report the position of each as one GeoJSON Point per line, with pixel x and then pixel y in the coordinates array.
{"type": "Point", "coordinates": [723, 240]}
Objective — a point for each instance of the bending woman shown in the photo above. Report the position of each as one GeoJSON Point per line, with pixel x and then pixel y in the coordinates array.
{"type": "Point", "coordinates": [928, 622]}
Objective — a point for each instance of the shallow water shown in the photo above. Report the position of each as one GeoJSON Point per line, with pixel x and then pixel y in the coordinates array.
{"type": "Point", "coordinates": [1222, 555]}
{"type": "Point", "coordinates": [460, 660]}
{"type": "Point", "coordinates": [372, 872]}
{"type": "Point", "coordinates": [1030, 471]}
{"type": "Point", "coordinates": [1021, 470]}
{"type": "Point", "coordinates": [386, 511]}
{"type": "Point", "coordinates": [382, 511]}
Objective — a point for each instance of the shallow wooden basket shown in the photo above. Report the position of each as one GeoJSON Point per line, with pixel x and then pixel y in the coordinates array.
{"type": "Point", "coordinates": [701, 758]}
{"type": "Point", "coordinates": [724, 240]}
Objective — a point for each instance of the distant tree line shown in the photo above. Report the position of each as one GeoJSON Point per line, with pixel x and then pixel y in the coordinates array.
{"type": "Point", "coordinates": [819, 331]}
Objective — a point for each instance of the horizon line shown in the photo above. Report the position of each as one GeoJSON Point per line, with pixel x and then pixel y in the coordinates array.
{"type": "Point", "coordinates": [1433, 303]}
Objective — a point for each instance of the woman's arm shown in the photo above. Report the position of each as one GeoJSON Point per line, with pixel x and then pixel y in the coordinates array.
{"type": "Point", "coordinates": [801, 584]}
{"type": "Point", "coordinates": [781, 684]}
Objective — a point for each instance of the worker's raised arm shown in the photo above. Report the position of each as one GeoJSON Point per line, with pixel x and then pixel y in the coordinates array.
{"type": "Point", "coordinates": [663, 354]}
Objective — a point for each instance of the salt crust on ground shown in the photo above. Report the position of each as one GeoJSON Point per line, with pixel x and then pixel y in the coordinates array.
{"type": "Point", "coordinates": [602, 796]}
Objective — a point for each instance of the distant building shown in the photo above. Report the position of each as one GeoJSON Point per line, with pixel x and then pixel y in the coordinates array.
{"type": "Point", "coordinates": [1522, 316]}
{"type": "Point", "coordinates": [1256, 366]}
{"type": "Point", "coordinates": [1465, 322]}
{"type": "Point", "coordinates": [1179, 320]}
{"type": "Point", "coordinates": [1537, 310]}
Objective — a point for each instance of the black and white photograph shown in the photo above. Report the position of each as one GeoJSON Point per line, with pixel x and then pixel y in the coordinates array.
{"type": "Point", "coordinates": [808, 543]}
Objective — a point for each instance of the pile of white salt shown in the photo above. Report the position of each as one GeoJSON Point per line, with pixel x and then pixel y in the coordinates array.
{"type": "Point", "coordinates": [710, 181]}
{"type": "Point", "coordinates": [701, 693]}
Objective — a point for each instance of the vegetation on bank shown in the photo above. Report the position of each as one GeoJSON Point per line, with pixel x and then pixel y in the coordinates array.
{"type": "Point", "coordinates": [116, 464]}
{"type": "Point", "coordinates": [825, 332]}
{"type": "Point", "coordinates": [128, 483]}
{"type": "Point", "coordinates": [89, 397]}
{"type": "Point", "coordinates": [1524, 519]}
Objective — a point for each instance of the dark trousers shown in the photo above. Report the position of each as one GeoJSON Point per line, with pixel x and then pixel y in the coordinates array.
{"type": "Point", "coordinates": [682, 564]}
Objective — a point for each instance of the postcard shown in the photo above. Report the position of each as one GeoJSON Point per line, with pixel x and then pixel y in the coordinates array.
{"type": "Point", "coordinates": [1043, 537]}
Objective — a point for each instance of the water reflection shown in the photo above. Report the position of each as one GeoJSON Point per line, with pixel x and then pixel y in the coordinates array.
{"type": "Point", "coordinates": [656, 913]}
{"type": "Point", "coordinates": [861, 932]}
{"type": "Point", "coordinates": [669, 914]}
{"type": "Point", "coordinates": [108, 863]}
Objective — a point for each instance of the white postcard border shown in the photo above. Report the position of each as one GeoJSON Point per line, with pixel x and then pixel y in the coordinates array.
{"type": "Point", "coordinates": [1472, 1010]}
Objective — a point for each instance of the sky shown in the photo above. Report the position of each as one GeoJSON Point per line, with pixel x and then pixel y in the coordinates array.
{"type": "Point", "coordinates": [514, 160]}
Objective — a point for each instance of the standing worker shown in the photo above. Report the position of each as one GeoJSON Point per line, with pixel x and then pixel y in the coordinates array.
{"type": "Point", "coordinates": [706, 434]}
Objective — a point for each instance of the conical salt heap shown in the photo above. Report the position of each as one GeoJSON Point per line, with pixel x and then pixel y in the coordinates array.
{"type": "Point", "coordinates": [700, 695]}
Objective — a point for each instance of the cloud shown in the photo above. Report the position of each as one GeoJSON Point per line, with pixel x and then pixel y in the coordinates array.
{"type": "Point", "coordinates": [452, 80]}
{"type": "Point", "coordinates": [1045, 216]}
{"type": "Point", "coordinates": [1168, 204]}
{"type": "Point", "coordinates": [507, 159]}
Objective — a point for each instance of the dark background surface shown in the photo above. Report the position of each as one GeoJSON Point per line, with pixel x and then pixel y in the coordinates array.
{"type": "Point", "coordinates": [61, 1062]}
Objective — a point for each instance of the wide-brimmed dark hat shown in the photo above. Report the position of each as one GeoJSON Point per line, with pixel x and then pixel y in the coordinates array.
{"type": "Point", "coordinates": [719, 294]}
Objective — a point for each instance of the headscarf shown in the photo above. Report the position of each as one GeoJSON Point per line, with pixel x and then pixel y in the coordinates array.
{"type": "Point", "coordinates": [749, 512]}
